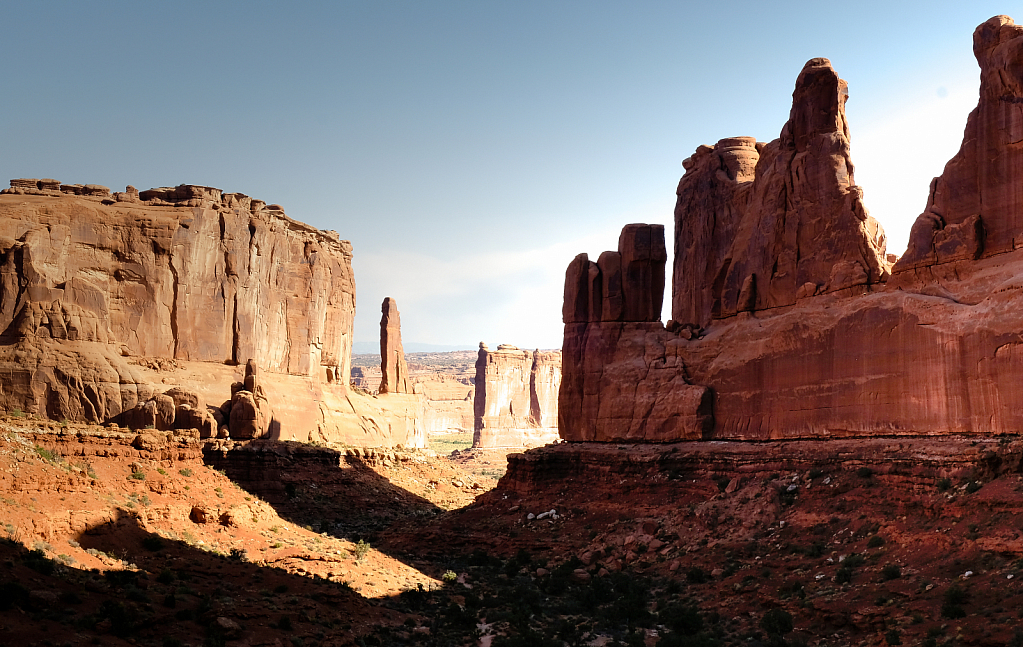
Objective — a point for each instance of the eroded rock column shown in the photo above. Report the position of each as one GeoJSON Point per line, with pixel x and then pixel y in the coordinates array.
{"type": "Point", "coordinates": [393, 368]}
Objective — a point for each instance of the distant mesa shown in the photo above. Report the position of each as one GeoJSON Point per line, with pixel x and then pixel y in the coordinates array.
{"type": "Point", "coordinates": [789, 317]}
{"type": "Point", "coordinates": [516, 399]}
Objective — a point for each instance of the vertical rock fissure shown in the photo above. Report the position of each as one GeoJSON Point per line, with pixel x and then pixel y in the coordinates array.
{"type": "Point", "coordinates": [174, 305]}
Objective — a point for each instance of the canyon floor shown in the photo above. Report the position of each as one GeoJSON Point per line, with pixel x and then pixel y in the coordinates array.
{"type": "Point", "coordinates": [115, 539]}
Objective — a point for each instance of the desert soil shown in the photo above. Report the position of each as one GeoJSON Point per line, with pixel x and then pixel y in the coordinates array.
{"type": "Point", "coordinates": [107, 545]}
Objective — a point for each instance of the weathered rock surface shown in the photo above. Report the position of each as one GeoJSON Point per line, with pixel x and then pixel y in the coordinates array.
{"type": "Point", "coordinates": [95, 291]}
{"type": "Point", "coordinates": [448, 403]}
{"type": "Point", "coordinates": [783, 311]}
{"type": "Point", "coordinates": [759, 225]}
{"type": "Point", "coordinates": [393, 368]}
{"type": "Point", "coordinates": [515, 403]}
{"type": "Point", "coordinates": [206, 282]}
{"type": "Point", "coordinates": [975, 208]}
{"type": "Point", "coordinates": [622, 376]}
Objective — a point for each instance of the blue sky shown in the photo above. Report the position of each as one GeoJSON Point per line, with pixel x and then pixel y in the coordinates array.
{"type": "Point", "coordinates": [470, 149]}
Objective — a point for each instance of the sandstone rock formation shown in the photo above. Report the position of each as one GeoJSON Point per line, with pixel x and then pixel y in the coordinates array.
{"type": "Point", "coordinates": [97, 293]}
{"type": "Point", "coordinates": [786, 323]}
{"type": "Point", "coordinates": [394, 371]}
{"type": "Point", "coordinates": [758, 225]}
{"type": "Point", "coordinates": [976, 207]}
{"type": "Point", "coordinates": [515, 403]}
{"type": "Point", "coordinates": [448, 405]}
{"type": "Point", "coordinates": [622, 378]}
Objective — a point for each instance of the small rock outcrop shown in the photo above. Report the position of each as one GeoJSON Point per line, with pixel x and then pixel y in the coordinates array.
{"type": "Point", "coordinates": [394, 376]}
{"type": "Point", "coordinates": [515, 404]}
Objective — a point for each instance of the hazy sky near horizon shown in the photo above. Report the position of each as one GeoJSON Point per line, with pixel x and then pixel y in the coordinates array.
{"type": "Point", "coordinates": [469, 150]}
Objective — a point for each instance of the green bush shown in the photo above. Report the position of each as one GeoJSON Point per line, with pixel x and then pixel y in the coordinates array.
{"type": "Point", "coordinates": [875, 542]}
{"type": "Point", "coordinates": [944, 484]}
{"type": "Point", "coordinates": [185, 471]}
{"type": "Point", "coordinates": [138, 476]}
{"type": "Point", "coordinates": [361, 549]}
{"type": "Point", "coordinates": [864, 472]}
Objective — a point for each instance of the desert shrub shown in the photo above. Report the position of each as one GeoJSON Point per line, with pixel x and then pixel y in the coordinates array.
{"type": "Point", "coordinates": [39, 562]}
{"type": "Point", "coordinates": [893, 637]}
{"type": "Point", "coordinates": [138, 476]}
{"type": "Point", "coordinates": [944, 484]}
{"type": "Point", "coordinates": [682, 618]}
{"type": "Point", "coordinates": [972, 487]}
{"type": "Point", "coordinates": [854, 560]}
{"type": "Point", "coordinates": [153, 543]}
{"type": "Point", "coordinates": [843, 575]}
{"type": "Point", "coordinates": [891, 572]}
{"type": "Point", "coordinates": [875, 542]}
{"type": "Point", "coordinates": [776, 622]}
{"type": "Point", "coordinates": [449, 577]}
{"type": "Point", "coordinates": [123, 619]}
{"type": "Point", "coordinates": [864, 472]}
{"type": "Point", "coordinates": [697, 575]}
{"type": "Point", "coordinates": [120, 577]}
{"type": "Point", "coordinates": [45, 454]}
{"type": "Point", "coordinates": [361, 550]}
{"type": "Point", "coordinates": [954, 599]}
{"type": "Point", "coordinates": [185, 471]}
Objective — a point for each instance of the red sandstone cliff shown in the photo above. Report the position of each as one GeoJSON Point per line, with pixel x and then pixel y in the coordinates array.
{"type": "Point", "coordinates": [96, 287]}
{"type": "Point", "coordinates": [515, 403]}
{"type": "Point", "coordinates": [783, 312]}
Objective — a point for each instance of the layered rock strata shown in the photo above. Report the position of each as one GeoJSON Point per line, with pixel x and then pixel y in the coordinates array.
{"type": "Point", "coordinates": [95, 287]}
{"type": "Point", "coordinates": [393, 368]}
{"type": "Point", "coordinates": [515, 403]}
{"type": "Point", "coordinates": [784, 311]}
